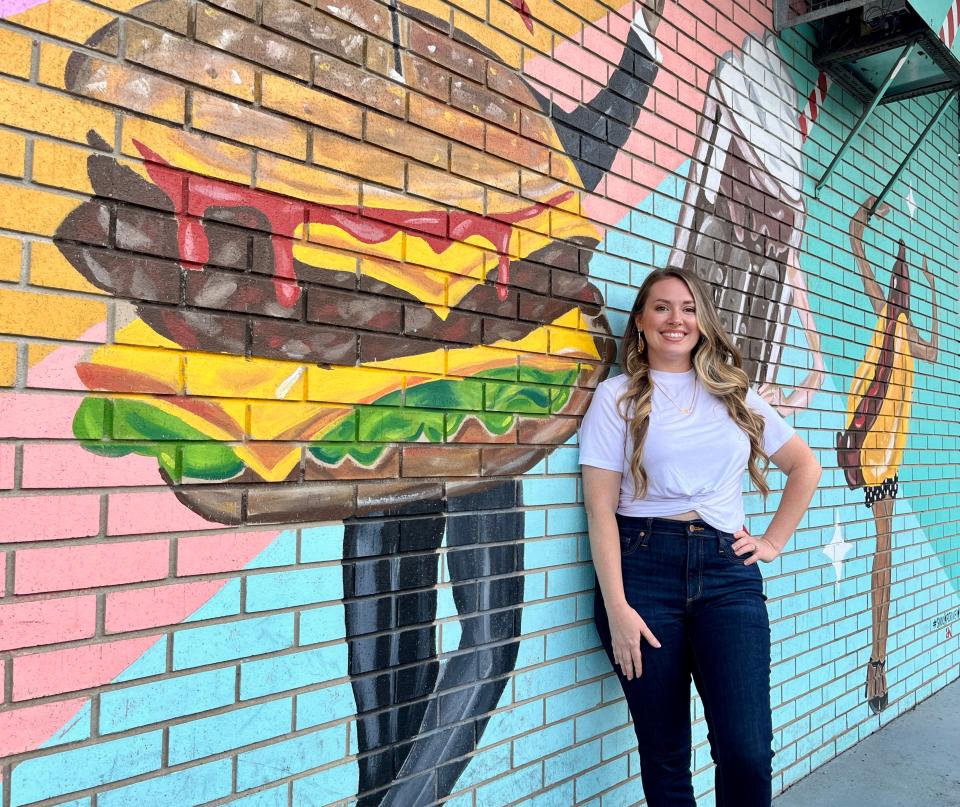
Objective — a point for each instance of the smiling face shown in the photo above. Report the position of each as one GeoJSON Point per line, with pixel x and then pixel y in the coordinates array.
{"type": "Point", "coordinates": [668, 322]}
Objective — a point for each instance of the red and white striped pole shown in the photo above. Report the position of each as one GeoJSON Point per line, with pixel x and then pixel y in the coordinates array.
{"type": "Point", "coordinates": [948, 33]}
{"type": "Point", "coordinates": [817, 96]}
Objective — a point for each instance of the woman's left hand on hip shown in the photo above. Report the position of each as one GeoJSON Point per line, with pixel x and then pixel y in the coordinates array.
{"type": "Point", "coordinates": [755, 548]}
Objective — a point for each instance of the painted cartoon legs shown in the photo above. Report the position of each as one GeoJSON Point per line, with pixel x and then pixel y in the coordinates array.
{"type": "Point", "coordinates": [473, 679]}
{"type": "Point", "coordinates": [880, 581]}
{"type": "Point", "coordinates": [416, 719]}
{"type": "Point", "coordinates": [386, 627]}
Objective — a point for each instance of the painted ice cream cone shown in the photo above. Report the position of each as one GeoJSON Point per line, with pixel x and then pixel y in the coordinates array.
{"type": "Point", "coordinates": [743, 215]}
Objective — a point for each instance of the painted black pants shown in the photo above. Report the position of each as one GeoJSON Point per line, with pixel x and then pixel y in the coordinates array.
{"type": "Point", "coordinates": [416, 718]}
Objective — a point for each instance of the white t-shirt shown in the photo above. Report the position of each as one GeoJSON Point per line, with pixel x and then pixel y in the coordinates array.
{"type": "Point", "coordinates": [693, 462]}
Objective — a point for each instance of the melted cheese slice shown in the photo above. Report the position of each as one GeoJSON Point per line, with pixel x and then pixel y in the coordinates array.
{"type": "Point", "coordinates": [259, 403]}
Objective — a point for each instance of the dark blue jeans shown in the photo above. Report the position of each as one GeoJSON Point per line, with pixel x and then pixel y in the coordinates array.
{"type": "Point", "coordinates": [708, 611]}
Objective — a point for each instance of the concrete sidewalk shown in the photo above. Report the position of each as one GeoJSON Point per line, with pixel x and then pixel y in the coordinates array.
{"type": "Point", "coordinates": [910, 762]}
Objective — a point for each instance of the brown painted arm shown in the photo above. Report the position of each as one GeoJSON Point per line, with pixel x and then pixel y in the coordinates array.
{"type": "Point", "coordinates": [927, 349]}
{"type": "Point", "coordinates": [857, 225]}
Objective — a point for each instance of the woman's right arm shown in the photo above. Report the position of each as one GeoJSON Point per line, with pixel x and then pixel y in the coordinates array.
{"type": "Point", "coordinates": [601, 494]}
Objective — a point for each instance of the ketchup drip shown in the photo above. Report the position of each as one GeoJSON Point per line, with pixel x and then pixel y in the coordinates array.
{"type": "Point", "coordinates": [440, 229]}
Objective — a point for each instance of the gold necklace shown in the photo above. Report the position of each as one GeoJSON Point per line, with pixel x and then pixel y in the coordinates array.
{"type": "Point", "coordinates": [683, 410]}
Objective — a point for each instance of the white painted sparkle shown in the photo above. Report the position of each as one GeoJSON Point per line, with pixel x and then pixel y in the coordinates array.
{"type": "Point", "coordinates": [911, 203]}
{"type": "Point", "coordinates": [836, 551]}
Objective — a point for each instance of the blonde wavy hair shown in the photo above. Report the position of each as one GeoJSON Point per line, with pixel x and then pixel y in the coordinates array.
{"type": "Point", "coordinates": [718, 366]}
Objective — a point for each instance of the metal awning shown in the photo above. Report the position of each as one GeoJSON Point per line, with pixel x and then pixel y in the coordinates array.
{"type": "Point", "coordinates": [882, 51]}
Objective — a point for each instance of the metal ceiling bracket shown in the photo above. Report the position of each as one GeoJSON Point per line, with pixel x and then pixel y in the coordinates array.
{"type": "Point", "coordinates": [867, 112]}
{"type": "Point", "coordinates": [785, 17]}
{"type": "Point", "coordinates": [903, 163]}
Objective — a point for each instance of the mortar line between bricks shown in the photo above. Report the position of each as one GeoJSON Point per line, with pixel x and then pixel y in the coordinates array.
{"type": "Point", "coordinates": [8, 579]}
{"type": "Point", "coordinates": [191, 22]}
{"type": "Point", "coordinates": [111, 324]}
{"type": "Point", "coordinates": [234, 772]}
{"type": "Point", "coordinates": [34, 77]}
{"type": "Point", "coordinates": [22, 359]}
{"type": "Point", "coordinates": [6, 771]}
{"type": "Point", "coordinates": [26, 253]}
{"type": "Point", "coordinates": [165, 750]}
{"type": "Point", "coordinates": [99, 618]}
{"type": "Point", "coordinates": [6, 681]}
{"type": "Point", "coordinates": [17, 464]}
{"type": "Point", "coordinates": [188, 111]}
{"type": "Point", "coordinates": [95, 716]}
{"type": "Point", "coordinates": [104, 515]}
{"type": "Point", "coordinates": [27, 177]}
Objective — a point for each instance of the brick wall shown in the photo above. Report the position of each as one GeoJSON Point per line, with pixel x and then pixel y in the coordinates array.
{"type": "Point", "coordinates": [300, 307]}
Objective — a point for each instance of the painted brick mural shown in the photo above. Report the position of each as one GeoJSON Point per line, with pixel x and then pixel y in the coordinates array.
{"type": "Point", "coordinates": [300, 305]}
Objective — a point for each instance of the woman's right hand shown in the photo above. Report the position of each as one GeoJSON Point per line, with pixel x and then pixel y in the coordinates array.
{"type": "Point", "coordinates": [627, 629]}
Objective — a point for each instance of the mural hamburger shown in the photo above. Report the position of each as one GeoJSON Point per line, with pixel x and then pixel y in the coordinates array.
{"type": "Point", "coordinates": [301, 345]}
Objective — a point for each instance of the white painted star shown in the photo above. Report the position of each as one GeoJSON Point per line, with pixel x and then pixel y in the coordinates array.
{"type": "Point", "coordinates": [911, 203]}
{"type": "Point", "coordinates": [836, 551]}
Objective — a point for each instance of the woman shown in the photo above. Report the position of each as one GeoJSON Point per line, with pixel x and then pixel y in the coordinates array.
{"type": "Point", "coordinates": [663, 449]}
